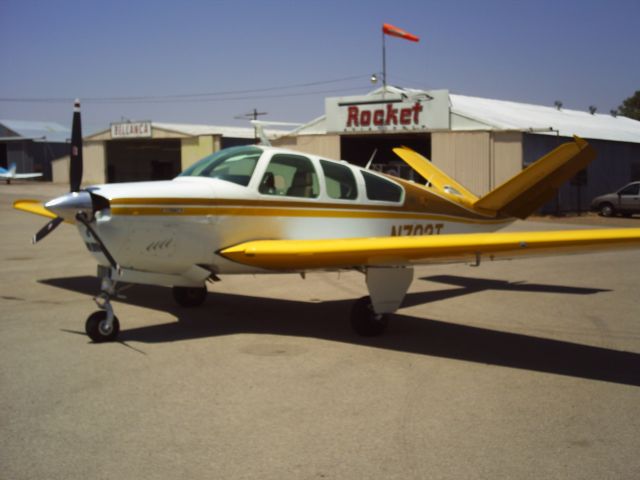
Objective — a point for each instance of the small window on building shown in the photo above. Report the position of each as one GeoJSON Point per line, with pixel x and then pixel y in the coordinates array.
{"type": "Point", "coordinates": [291, 176]}
{"type": "Point", "coordinates": [339, 180]}
{"type": "Point", "coordinates": [379, 188]}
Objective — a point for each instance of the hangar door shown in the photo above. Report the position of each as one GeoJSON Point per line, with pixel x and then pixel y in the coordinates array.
{"type": "Point", "coordinates": [358, 149]}
{"type": "Point", "coordinates": [139, 160]}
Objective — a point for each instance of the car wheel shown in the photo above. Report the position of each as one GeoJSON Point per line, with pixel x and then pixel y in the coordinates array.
{"type": "Point", "coordinates": [606, 210]}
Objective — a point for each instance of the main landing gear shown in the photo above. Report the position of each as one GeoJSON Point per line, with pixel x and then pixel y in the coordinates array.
{"type": "Point", "coordinates": [387, 288]}
{"type": "Point", "coordinates": [369, 315]}
{"type": "Point", "coordinates": [365, 321]}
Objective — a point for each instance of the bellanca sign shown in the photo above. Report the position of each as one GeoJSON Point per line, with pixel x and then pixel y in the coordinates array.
{"type": "Point", "coordinates": [131, 130]}
{"type": "Point", "coordinates": [389, 113]}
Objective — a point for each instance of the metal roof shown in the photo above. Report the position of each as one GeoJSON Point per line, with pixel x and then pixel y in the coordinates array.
{"type": "Point", "coordinates": [192, 130]}
{"type": "Point", "coordinates": [475, 113]}
{"type": "Point", "coordinates": [504, 115]}
{"type": "Point", "coordinates": [37, 131]}
{"type": "Point", "coordinates": [198, 130]}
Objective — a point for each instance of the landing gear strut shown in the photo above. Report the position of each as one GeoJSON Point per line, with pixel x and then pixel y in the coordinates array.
{"type": "Point", "coordinates": [364, 321]}
{"type": "Point", "coordinates": [387, 288]}
{"type": "Point", "coordinates": [103, 325]}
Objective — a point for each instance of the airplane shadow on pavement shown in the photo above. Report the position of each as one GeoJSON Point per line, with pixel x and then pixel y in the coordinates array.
{"type": "Point", "coordinates": [226, 314]}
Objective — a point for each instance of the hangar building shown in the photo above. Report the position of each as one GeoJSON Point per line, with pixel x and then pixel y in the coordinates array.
{"type": "Point", "coordinates": [136, 151]}
{"type": "Point", "coordinates": [480, 142]}
{"type": "Point", "coordinates": [32, 145]}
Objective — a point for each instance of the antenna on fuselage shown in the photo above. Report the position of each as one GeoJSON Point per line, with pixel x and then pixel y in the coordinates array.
{"type": "Point", "coordinates": [375, 150]}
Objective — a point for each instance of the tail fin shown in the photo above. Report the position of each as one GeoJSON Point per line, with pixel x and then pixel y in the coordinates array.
{"type": "Point", "coordinates": [436, 177]}
{"type": "Point", "coordinates": [538, 183]}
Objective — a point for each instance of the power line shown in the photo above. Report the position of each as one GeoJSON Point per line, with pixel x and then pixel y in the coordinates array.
{"type": "Point", "coordinates": [193, 96]}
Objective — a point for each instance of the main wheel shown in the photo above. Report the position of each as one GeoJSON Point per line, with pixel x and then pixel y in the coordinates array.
{"type": "Point", "coordinates": [98, 330]}
{"type": "Point", "coordinates": [606, 210]}
{"type": "Point", "coordinates": [364, 321]}
{"type": "Point", "coordinates": [189, 296]}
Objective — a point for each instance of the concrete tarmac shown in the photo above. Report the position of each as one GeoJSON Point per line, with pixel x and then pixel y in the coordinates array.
{"type": "Point", "coordinates": [522, 369]}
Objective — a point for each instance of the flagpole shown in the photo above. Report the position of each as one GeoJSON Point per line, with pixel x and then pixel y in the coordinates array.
{"type": "Point", "coordinates": [384, 63]}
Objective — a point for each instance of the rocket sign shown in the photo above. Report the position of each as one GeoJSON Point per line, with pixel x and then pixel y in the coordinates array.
{"type": "Point", "coordinates": [391, 113]}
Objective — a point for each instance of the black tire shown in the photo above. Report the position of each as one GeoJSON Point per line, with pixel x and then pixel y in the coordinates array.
{"type": "Point", "coordinates": [189, 296]}
{"type": "Point", "coordinates": [607, 210]}
{"type": "Point", "coordinates": [95, 327]}
{"type": "Point", "coordinates": [364, 321]}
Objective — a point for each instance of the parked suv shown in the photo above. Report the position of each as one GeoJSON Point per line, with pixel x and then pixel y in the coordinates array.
{"type": "Point", "coordinates": [625, 201]}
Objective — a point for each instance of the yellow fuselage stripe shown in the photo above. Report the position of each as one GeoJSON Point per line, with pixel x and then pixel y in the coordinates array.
{"type": "Point", "coordinates": [286, 212]}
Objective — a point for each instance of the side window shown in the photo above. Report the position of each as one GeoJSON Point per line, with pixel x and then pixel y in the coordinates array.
{"type": "Point", "coordinates": [379, 188]}
{"type": "Point", "coordinates": [291, 176]}
{"type": "Point", "coordinates": [630, 190]}
{"type": "Point", "coordinates": [339, 180]}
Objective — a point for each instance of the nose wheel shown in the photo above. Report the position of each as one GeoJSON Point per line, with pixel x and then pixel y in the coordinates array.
{"type": "Point", "coordinates": [100, 329]}
{"type": "Point", "coordinates": [103, 325]}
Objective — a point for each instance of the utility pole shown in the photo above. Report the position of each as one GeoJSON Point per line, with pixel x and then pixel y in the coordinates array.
{"type": "Point", "coordinates": [254, 116]}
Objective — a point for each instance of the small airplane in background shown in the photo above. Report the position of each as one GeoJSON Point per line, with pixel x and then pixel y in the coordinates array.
{"type": "Point", "coordinates": [11, 174]}
{"type": "Point", "coordinates": [260, 209]}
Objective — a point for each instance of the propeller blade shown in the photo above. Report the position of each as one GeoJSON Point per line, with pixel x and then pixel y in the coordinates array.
{"type": "Point", "coordinates": [75, 162]}
{"type": "Point", "coordinates": [82, 219]}
{"type": "Point", "coordinates": [46, 230]}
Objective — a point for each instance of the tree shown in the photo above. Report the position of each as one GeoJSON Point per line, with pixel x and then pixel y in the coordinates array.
{"type": "Point", "coordinates": [631, 106]}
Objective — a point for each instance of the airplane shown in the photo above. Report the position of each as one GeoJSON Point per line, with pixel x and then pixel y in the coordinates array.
{"type": "Point", "coordinates": [260, 209]}
{"type": "Point", "coordinates": [10, 174]}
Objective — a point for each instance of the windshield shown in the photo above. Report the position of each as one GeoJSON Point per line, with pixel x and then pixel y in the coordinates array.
{"type": "Point", "coordinates": [235, 164]}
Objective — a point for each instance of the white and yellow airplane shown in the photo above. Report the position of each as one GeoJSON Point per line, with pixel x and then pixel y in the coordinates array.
{"type": "Point", "coordinates": [259, 209]}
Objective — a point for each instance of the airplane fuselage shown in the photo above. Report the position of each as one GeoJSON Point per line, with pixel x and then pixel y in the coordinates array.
{"type": "Point", "coordinates": [164, 226]}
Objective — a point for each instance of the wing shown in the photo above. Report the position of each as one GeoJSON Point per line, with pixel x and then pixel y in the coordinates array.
{"type": "Point", "coordinates": [33, 206]}
{"type": "Point", "coordinates": [26, 175]}
{"type": "Point", "coordinates": [392, 251]}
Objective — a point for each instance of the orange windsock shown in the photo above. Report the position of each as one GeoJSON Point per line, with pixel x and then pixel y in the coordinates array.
{"type": "Point", "coordinates": [398, 32]}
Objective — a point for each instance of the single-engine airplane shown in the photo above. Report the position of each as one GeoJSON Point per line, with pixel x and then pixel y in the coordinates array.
{"type": "Point", "coordinates": [260, 209]}
{"type": "Point", "coordinates": [11, 174]}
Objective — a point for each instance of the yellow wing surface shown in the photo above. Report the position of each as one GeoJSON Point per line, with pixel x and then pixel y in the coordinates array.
{"type": "Point", "coordinates": [288, 255]}
{"type": "Point", "coordinates": [33, 206]}
{"type": "Point", "coordinates": [435, 176]}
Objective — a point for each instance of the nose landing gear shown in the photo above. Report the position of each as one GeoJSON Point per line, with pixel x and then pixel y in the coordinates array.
{"type": "Point", "coordinates": [103, 325]}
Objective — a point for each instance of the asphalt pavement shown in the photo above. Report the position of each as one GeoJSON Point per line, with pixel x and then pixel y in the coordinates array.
{"type": "Point", "coordinates": [519, 369]}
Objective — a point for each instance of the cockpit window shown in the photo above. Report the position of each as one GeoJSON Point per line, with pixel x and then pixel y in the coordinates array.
{"type": "Point", "coordinates": [379, 188]}
{"type": "Point", "coordinates": [290, 176]}
{"type": "Point", "coordinates": [235, 164]}
{"type": "Point", "coordinates": [339, 180]}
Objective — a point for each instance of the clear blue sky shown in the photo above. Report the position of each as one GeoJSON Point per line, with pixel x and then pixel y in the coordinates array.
{"type": "Point", "coordinates": [581, 52]}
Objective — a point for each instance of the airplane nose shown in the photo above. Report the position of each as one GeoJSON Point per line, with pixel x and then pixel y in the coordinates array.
{"type": "Point", "coordinates": [69, 205]}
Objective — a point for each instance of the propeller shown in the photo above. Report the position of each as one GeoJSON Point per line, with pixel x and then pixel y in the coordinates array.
{"type": "Point", "coordinates": [77, 204]}
{"type": "Point", "coordinates": [46, 230]}
{"type": "Point", "coordinates": [75, 170]}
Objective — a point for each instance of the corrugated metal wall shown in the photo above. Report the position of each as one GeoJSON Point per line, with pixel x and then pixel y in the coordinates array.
{"type": "Point", "coordinates": [465, 156]}
{"type": "Point", "coordinates": [321, 145]}
{"type": "Point", "coordinates": [507, 156]}
{"type": "Point", "coordinates": [617, 164]}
